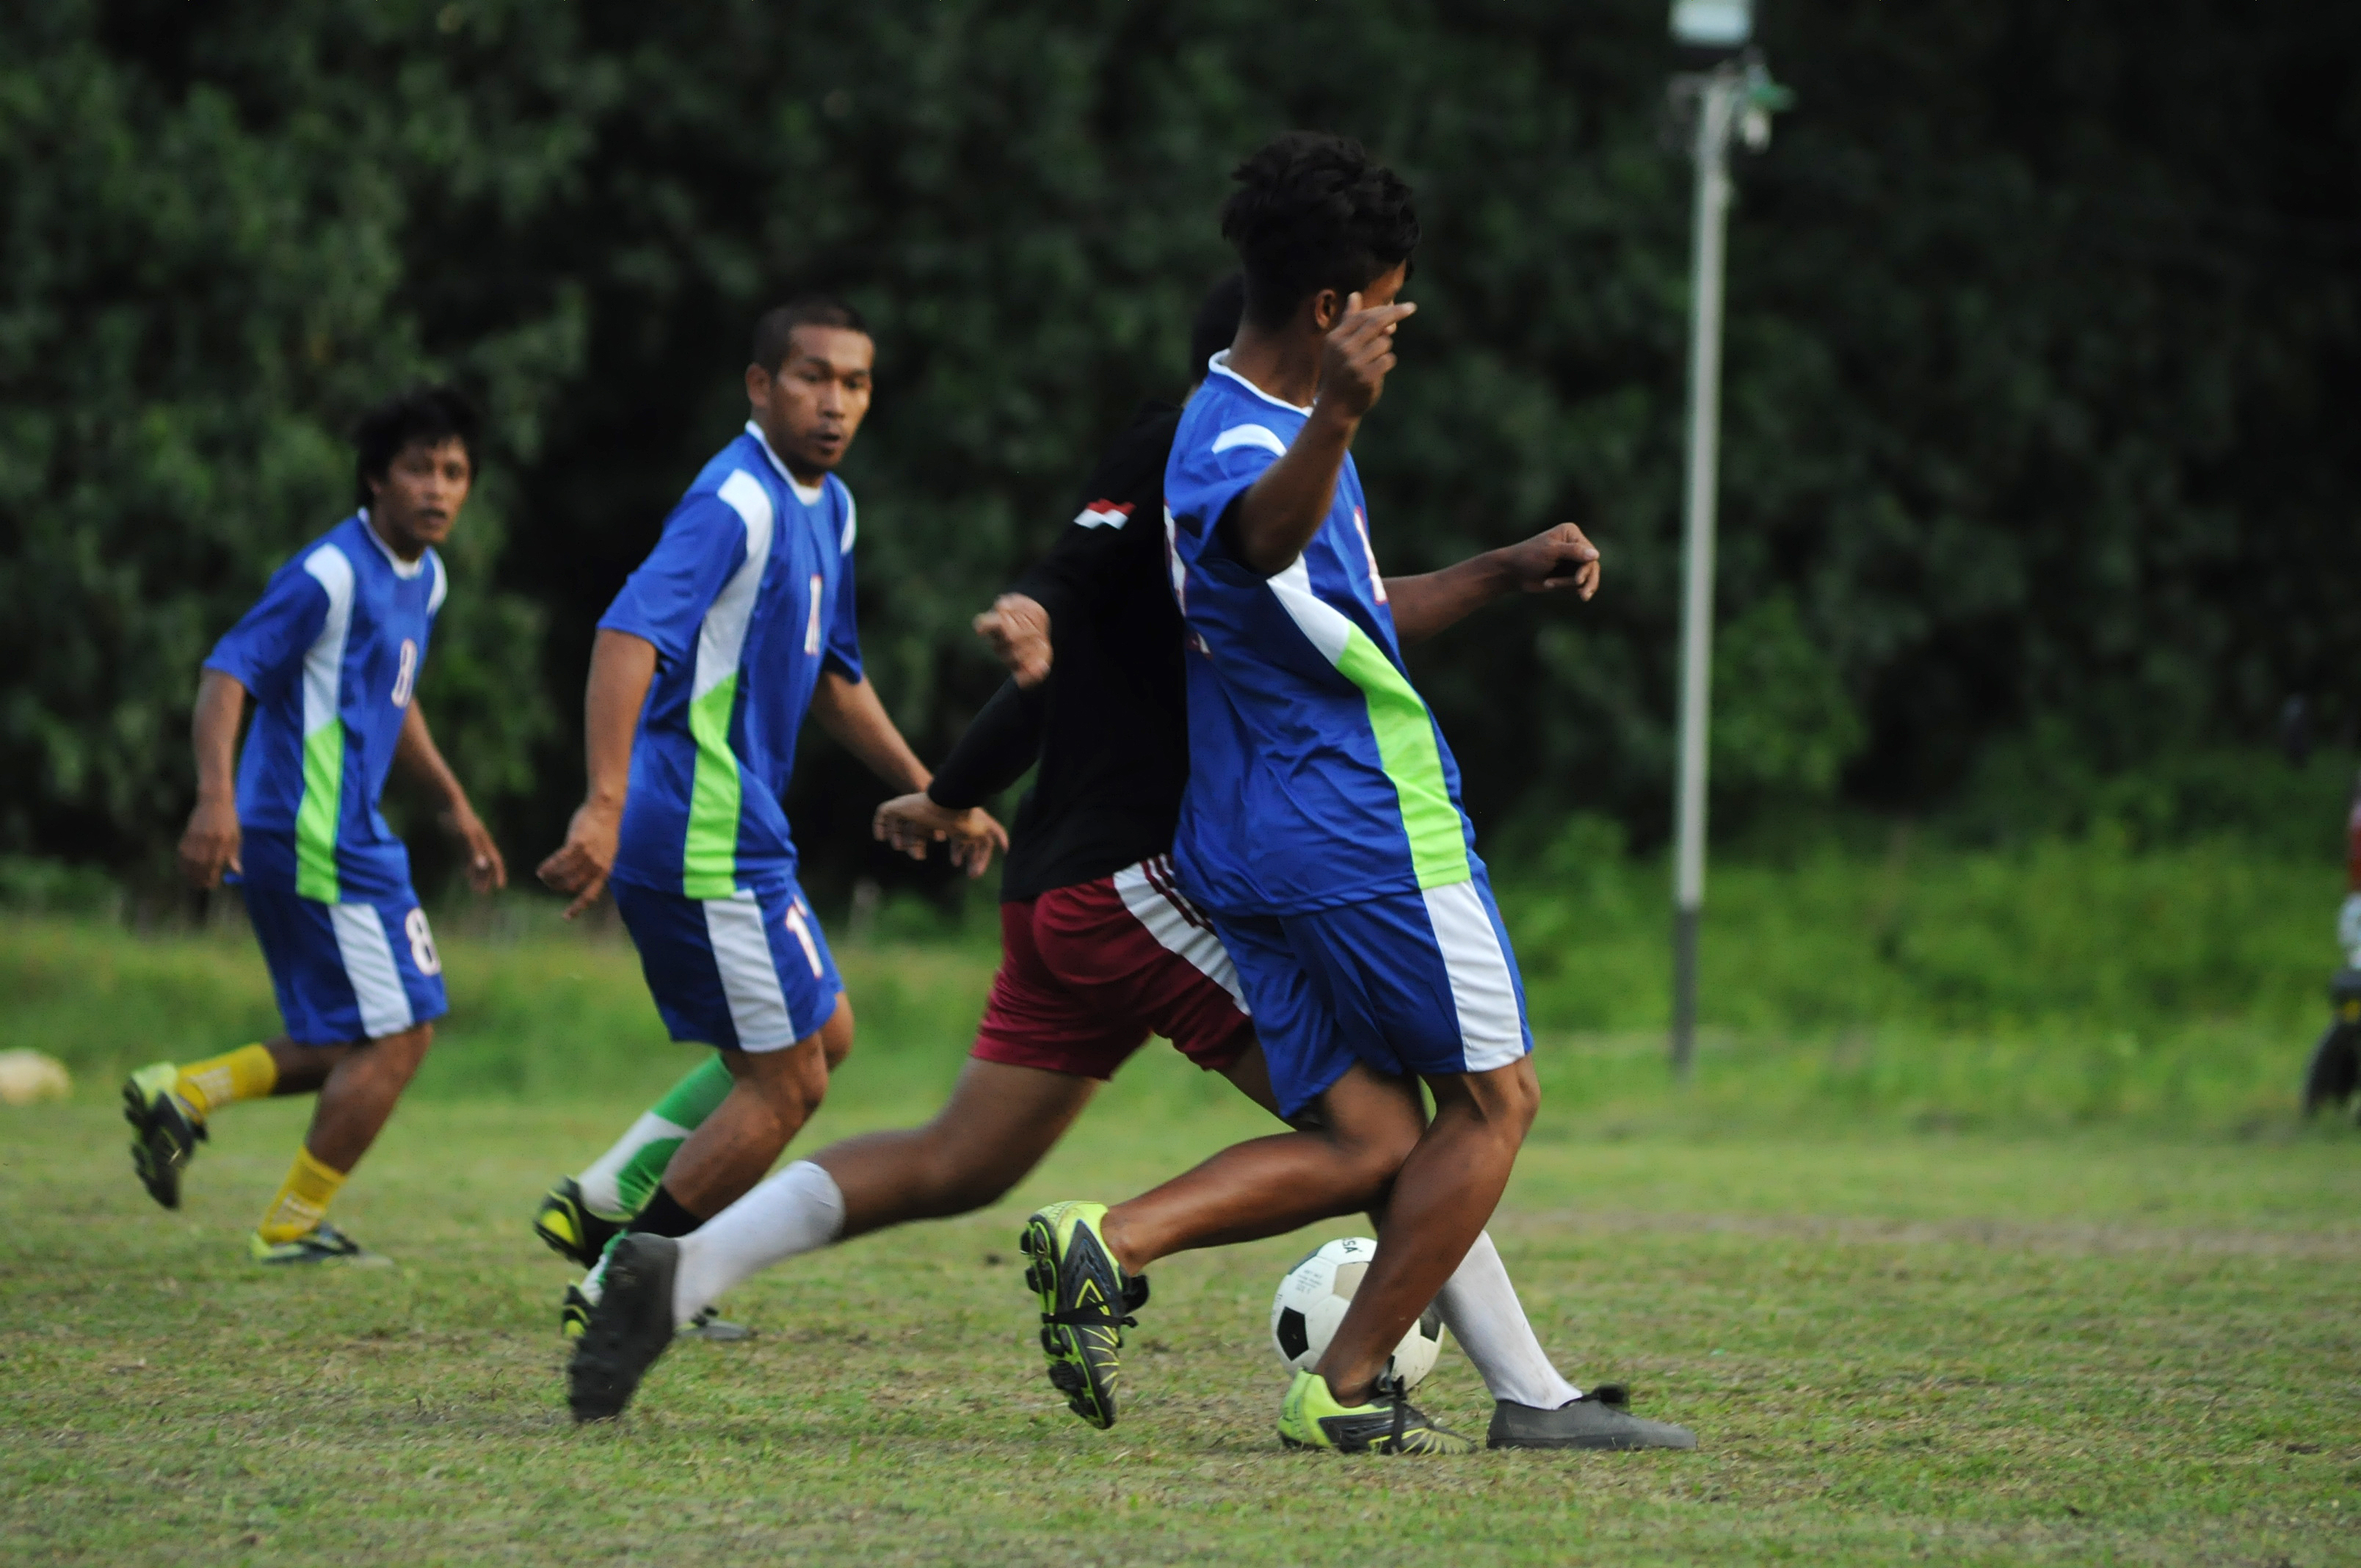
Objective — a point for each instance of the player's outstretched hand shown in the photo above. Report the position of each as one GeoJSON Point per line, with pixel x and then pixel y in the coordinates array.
{"type": "Point", "coordinates": [487, 871]}
{"type": "Point", "coordinates": [912, 822]}
{"type": "Point", "coordinates": [211, 844]}
{"type": "Point", "coordinates": [1562, 558]}
{"type": "Point", "coordinates": [1017, 628]}
{"type": "Point", "coordinates": [580, 866]}
{"type": "Point", "coordinates": [1357, 353]}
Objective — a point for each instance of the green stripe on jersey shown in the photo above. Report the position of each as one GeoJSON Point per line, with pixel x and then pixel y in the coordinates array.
{"type": "Point", "coordinates": [1405, 735]}
{"type": "Point", "coordinates": [709, 860]}
{"type": "Point", "coordinates": [315, 818]}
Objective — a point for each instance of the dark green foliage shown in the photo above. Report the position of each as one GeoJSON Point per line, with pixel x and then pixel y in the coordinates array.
{"type": "Point", "coordinates": [2043, 322]}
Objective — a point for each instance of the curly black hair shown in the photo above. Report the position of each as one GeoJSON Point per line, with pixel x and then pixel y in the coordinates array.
{"type": "Point", "coordinates": [431, 414]}
{"type": "Point", "coordinates": [1315, 212]}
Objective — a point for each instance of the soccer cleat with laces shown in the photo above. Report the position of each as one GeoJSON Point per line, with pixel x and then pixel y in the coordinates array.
{"type": "Point", "coordinates": [630, 1326]}
{"type": "Point", "coordinates": [1086, 1303]}
{"type": "Point", "coordinates": [566, 1224]}
{"type": "Point", "coordinates": [164, 1131]}
{"type": "Point", "coordinates": [1311, 1417]}
{"type": "Point", "coordinates": [1600, 1419]}
{"type": "Point", "coordinates": [322, 1244]}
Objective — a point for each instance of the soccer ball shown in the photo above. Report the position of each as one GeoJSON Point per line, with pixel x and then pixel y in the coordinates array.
{"type": "Point", "coordinates": [1312, 1300]}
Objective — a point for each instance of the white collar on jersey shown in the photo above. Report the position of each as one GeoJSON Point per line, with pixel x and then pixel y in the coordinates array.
{"type": "Point", "coordinates": [808, 494]}
{"type": "Point", "coordinates": [1219, 365]}
{"type": "Point", "coordinates": [401, 569]}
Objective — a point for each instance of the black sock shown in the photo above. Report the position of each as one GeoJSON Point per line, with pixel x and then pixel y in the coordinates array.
{"type": "Point", "coordinates": [663, 1216]}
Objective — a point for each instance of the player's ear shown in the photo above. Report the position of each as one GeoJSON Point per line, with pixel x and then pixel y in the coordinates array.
{"type": "Point", "coordinates": [758, 386]}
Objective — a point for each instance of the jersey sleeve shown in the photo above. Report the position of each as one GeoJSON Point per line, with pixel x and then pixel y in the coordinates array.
{"type": "Point", "coordinates": [1207, 475]}
{"type": "Point", "coordinates": [842, 653]}
{"type": "Point", "coordinates": [994, 750]}
{"type": "Point", "coordinates": [664, 601]}
{"type": "Point", "coordinates": [274, 635]}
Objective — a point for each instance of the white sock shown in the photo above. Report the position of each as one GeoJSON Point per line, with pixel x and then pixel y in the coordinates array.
{"type": "Point", "coordinates": [601, 1190]}
{"type": "Point", "coordinates": [797, 1211]}
{"type": "Point", "coordinates": [1480, 1308]}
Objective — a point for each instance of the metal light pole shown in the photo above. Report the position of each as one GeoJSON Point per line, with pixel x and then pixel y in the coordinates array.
{"type": "Point", "coordinates": [1735, 94]}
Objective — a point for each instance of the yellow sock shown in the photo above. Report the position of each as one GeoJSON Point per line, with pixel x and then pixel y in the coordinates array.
{"type": "Point", "coordinates": [303, 1200]}
{"type": "Point", "coordinates": [245, 1073]}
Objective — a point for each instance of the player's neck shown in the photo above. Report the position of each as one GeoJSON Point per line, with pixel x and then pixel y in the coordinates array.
{"type": "Point", "coordinates": [406, 547]}
{"type": "Point", "coordinates": [1283, 364]}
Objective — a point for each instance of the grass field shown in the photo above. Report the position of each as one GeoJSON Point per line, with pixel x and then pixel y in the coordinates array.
{"type": "Point", "coordinates": [1913, 1308]}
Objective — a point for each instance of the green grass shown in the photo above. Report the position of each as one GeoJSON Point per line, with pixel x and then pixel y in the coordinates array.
{"type": "Point", "coordinates": [1935, 1273]}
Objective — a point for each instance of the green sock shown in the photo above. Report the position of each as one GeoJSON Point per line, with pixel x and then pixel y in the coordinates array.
{"type": "Point", "coordinates": [619, 1184]}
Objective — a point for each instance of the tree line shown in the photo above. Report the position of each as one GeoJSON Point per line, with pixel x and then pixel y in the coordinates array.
{"type": "Point", "coordinates": [2043, 325]}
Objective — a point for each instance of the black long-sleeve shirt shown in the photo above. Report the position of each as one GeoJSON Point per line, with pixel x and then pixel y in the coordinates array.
{"type": "Point", "coordinates": [1109, 725]}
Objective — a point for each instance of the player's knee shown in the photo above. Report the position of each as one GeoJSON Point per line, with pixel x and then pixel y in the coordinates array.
{"type": "Point", "coordinates": [836, 1034]}
{"type": "Point", "coordinates": [400, 1056]}
{"type": "Point", "coordinates": [1510, 1096]}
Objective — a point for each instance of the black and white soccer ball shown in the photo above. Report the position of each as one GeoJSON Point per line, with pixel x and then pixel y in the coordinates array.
{"type": "Point", "coordinates": [1310, 1302]}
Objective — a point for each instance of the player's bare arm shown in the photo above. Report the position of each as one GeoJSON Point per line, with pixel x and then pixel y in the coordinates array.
{"type": "Point", "coordinates": [1559, 559]}
{"type": "Point", "coordinates": [1277, 518]}
{"type": "Point", "coordinates": [416, 755]}
{"type": "Point", "coordinates": [1016, 627]}
{"type": "Point", "coordinates": [209, 845]}
{"type": "Point", "coordinates": [850, 711]}
{"type": "Point", "coordinates": [621, 668]}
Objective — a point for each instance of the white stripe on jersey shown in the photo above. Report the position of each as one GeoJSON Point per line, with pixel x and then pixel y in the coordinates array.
{"type": "Point", "coordinates": [851, 525]}
{"type": "Point", "coordinates": [722, 637]}
{"type": "Point", "coordinates": [1491, 1030]}
{"type": "Point", "coordinates": [1147, 890]}
{"type": "Point", "coordinates": [1260, 435]}
{"type": "Point", "coordinates": [323, 662]}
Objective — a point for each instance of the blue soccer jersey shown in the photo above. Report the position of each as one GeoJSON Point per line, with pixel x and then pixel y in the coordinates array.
{"type": "Point", "coordinates": [1316, 775]}
{"type": "Point", "coordinates": [747, 597]}
{"type": "Point", "coordinates": [331, 655]}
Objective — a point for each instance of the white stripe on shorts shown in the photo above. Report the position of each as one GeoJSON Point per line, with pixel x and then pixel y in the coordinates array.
{"type": "Point", "coordinates": [750, 976]}
{"type": "Point", "coordinates": [1147, 891]}
{"type": "Point", "coordinates": [1491, 1031]}
{"type": "Point", "coordinates": [369, 966]}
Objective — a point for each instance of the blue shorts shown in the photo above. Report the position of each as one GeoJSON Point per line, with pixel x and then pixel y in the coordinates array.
{"type": "Point", "coordinates": [750, 973]}
{"type": "Point", "coordinates": [1413, 982]}
{"type": "Point", "coordinates": [347, 972]}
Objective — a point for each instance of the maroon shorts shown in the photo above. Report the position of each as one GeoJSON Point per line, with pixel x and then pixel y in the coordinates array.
{"type": "Point", "coordinates": [1088, 972]}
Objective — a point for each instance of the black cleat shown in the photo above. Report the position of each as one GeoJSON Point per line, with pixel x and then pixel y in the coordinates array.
{"type": "Point", "coordinates": [164, 1135]}
{"type": "Point", "coordinates": [1600, 1419]}
{"type": "Point", "coordinates": [566, 1224]}
{"type": "Point", "coordinates": [630, 1326]}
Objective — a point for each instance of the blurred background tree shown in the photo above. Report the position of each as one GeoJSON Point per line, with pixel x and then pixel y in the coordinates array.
{"type": "Point", "coordinates": [2044, 323]}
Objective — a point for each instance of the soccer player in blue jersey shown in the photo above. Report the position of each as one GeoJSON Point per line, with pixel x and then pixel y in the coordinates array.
{"type": "Point", "coordinates": [1322, 832]}
{"type": "Point", "coordinates": [739, 623]}
{"type": "Point", "coordinates": [329, 659]}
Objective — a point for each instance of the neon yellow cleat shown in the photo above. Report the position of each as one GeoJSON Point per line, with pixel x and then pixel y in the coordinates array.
{"type": "Point", "coordinates": [1311, 1418]}
{"type": "Point", "coordinates": [1086, 1303]}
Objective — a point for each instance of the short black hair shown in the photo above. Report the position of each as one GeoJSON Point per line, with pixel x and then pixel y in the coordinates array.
{"type": "Point", "coordinates": [433, 414]}
{"type": "Point", "coordinates": [775, 334]}
{"type": "Point", "coordinates": [1315, 212]}
{"type": "Point", "coordinates": [1216, 325]}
